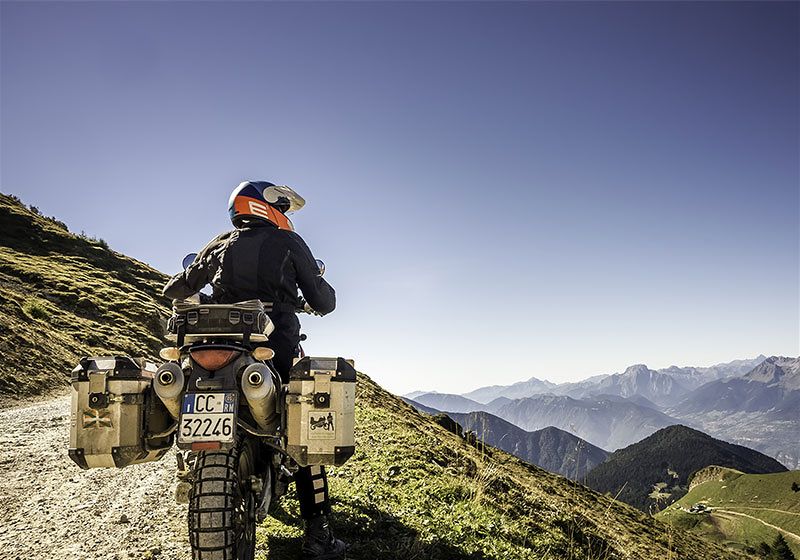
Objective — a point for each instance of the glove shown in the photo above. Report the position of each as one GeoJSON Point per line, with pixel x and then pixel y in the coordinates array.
{"type": "Point", "coordinates": [310, 310]}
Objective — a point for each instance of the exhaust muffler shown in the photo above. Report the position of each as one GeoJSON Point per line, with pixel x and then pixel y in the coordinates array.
{"type": "Point", "coordinates": [259, 389]}
{"type": "Point", "coordinates": [168, 386]}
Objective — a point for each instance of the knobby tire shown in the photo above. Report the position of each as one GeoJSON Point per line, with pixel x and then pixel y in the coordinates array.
{"type": "Point", "coordinates": [221, 506]}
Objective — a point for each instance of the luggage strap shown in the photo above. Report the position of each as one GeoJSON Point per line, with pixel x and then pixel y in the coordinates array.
{"type": "Point", "coordinates": [278, 306]}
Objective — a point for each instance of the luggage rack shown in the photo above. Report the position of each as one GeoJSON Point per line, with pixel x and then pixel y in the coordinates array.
{"type": "Point", "coordinates": [246, 321]}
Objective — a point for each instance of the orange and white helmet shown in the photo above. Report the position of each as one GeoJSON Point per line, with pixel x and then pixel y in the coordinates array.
{"type": "Point", "coordinates": [262, 200]}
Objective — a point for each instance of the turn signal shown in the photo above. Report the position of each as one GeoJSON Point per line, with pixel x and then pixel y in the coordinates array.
{"type": "Point", "coordinates": [171, 353]}
{"type": "Point", "coordinates": [262, 353]}
{"type": "Point", "coordinates": [212, 360]}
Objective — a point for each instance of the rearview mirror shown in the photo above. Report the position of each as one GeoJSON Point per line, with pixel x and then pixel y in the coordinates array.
{"type": "Point", "coordinates": [321, 266]}
{"type": "Point", "coordinates": [188, 260]}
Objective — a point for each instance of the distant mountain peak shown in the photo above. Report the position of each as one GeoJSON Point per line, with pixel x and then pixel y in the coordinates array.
{"type": "Point", "coordinates": [637, 368]}
{"type": "Point", "coordinates": [777, 370]}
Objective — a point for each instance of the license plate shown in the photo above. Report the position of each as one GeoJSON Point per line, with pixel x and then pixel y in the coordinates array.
{"type": "Point", "coordinates": [208, 417]}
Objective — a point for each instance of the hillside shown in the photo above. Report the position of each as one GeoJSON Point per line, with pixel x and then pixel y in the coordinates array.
{"type": "Point", "coordinates": [63, 296]}
{"type": "Point", "coordinates": [746, 509]}
{"type": "Point", "coordinates": [550, 448]}
{"type": "Point", "coordinates": [415, 491]}
{"type": "Point", "coordinates": [656, 470]}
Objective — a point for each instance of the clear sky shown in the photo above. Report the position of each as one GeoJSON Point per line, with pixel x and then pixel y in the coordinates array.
{"type": "Point", "coordinates": [499, 190]}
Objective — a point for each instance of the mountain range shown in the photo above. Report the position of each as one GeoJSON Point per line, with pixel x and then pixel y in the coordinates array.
{"type": "Point", "coordinates": [552, 449]}
{"type": "Point", "coordinates": [636, 379]}
{"type": "Point", "coordinates": [760, 409]}
{"type": "Point", "coordinates": [755, 403]}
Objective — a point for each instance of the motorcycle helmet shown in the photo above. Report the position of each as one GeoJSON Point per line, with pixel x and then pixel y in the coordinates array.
{"type": "Point", "coordinates": [265, 201]}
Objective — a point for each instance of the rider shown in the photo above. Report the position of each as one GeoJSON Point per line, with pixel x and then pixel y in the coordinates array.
{"type": "Point", "coordinates": [264, 259]}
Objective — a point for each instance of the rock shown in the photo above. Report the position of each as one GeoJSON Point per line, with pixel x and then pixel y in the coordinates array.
{"type": "Point", "coordinates": [182, 492]}
{"type": "Point", "coordinates": [123, 519]}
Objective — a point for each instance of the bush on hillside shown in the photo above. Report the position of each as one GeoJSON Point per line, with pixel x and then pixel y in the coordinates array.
{"type": "Point", "coordinates": [35, 309]}
{"type": "Point", "coordinates": [779, 550]}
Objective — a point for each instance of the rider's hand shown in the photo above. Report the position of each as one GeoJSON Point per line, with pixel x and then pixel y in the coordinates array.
{"type": "Point", "coordinates": [310, 310]}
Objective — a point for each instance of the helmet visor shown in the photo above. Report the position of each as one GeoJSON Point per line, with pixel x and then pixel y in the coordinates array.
{"type": "Point", "coordinates": [273, 194]}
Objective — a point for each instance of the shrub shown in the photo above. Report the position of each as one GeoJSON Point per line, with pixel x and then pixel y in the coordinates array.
{"type": "Point", "coordinates": [778, 551]}
{"type": "Point", "coordinates": [35, 309]}
{"type": "Point", "coordinates": [58, 223]}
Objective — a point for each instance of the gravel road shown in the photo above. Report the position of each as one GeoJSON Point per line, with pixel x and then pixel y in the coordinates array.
{"type": "Point", "coordinates": [50, 508]}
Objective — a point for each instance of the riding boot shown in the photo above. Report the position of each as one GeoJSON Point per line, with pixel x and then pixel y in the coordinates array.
{"type": "Point", "coordinates": [319, 542]}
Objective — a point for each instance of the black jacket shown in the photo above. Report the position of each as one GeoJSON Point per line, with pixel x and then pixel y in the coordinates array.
{"type": "Point", "coordinates": [258, 261]}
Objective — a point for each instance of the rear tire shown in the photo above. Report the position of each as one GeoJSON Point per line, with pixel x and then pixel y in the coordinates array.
{"type": "Point", "coordinates": [222, 509]}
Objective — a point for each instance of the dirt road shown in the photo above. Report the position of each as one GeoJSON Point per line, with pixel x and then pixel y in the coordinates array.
{"type": "Point", "coordinates": [50, 508]}
{"type": "Point", "coordinates": [770, 525]}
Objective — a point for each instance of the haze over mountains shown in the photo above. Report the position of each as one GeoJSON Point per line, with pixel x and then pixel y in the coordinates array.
{"type": "Point", "coordinates": [753, 402]}
{"type": "Point", "coordinates": [636, 380]}
{"type": "Point", "coordinates": [550, 448]}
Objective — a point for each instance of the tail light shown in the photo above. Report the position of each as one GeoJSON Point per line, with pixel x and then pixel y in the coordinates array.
{"type": "Point", "coordinates": [212, 360]}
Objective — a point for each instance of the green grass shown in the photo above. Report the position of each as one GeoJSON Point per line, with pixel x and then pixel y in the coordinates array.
{"type": "Point", "coordinates": [756, 495]}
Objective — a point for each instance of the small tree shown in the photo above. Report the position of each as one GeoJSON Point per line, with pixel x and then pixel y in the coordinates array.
{"type": "Point", "coordinates": [780, 550]}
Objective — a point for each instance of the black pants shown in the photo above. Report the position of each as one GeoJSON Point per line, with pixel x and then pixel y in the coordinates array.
{"type": "Point", "coordinates": [311, 482]}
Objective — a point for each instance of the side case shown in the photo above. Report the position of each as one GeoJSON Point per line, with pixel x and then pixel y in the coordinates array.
{"type": "Point", "coordinates": [320, 411]}
{"type": "Point", "coordinates": [116, 418]}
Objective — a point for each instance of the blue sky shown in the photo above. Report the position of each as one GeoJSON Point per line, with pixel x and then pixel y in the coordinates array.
{"type": "Point", "coordinates": [500, 190]}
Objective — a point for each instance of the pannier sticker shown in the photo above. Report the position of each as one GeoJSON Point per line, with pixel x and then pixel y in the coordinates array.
{"type": "Point", "coordinates": [322, 424]}
{"type": "Point", "coordinates": [96, 418]}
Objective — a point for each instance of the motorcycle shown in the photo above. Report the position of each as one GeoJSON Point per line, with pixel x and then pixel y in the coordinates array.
{"type": "Point", "coordinates": [241, 433]}
{"type": "Point", "coordinates": [232, 450]}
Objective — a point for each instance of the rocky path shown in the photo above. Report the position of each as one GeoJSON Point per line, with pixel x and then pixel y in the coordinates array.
{"type": "Point", "coordinates": [50, 508]}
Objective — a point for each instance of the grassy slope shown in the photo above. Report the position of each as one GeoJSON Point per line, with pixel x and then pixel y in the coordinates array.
{"type": "Point", "coordinates": [416, 491]}
{"type": "Point", "coordinates": [63, 296]}
{"type": "Point", "coordinates": [753, 494]}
